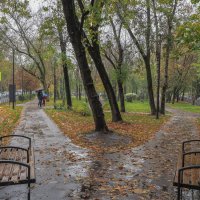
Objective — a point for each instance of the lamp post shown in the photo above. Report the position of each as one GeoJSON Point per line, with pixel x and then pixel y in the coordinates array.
{"type": "Point", "coordinates": [13, 83]}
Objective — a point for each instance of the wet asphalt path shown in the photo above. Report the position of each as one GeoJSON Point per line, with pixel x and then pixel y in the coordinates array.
{"type": "Point", "coordinates": [58, 163]}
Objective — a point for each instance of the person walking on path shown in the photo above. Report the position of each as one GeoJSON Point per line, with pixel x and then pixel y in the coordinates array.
{"type": "Point", "coordinates": [40, 98]}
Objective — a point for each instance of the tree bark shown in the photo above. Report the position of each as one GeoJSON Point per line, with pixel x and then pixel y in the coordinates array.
{"type": "Point", "coordinates": [121, 96]}
{"type": "Point", "coordinates": [95, 54]}
{"type": "Point", "coordinates": [158, 57]}
{"type": "Point", "coordinates": [165, 85]}
{"type": "Point", "coordinates": [118, 66]}
{"type": "Point", "coordinates": [150, 86]}
{"type": "Point", "coordinates": [74, 31]}
{"type": "Point", "coordinates": [169, 43]}
{"type": "Point", "coordinates": [79, 92]}
{"type": "Point", "coordinates": [65, 71]}
{"type": "Point", "coordinates": [55, 87]}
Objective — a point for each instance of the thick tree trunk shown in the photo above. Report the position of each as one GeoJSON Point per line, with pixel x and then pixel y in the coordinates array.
{"type": "Point", "coordinates": [121, 96]}
{"type": "Point", "coordinates": [95, 54]}
{"type": "Point", "coordinates": [74, 31]}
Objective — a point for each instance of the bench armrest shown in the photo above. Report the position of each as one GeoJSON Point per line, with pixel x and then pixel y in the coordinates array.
{"type": "Point", "coordinates": [22, 136]}
{"type": "Point", "coordinates": [13, 147]}
{"type": "Point", "coordinates": [186, 142]}
{"type": "Point", "coordinates": [19, 163]}
{"type": "Point", "coordinates": [180, 171]}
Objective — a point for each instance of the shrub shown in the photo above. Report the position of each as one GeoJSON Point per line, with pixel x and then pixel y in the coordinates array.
{"type": "Point", "coordinates": [129, 97]}
{"type": "Point", "coordinates": [26, 97]}
{"type": "Point", "coordinates": [85, 110]}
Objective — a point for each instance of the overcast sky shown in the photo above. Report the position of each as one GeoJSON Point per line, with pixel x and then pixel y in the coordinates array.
{"type": "Point", "coordinates": [35, 4]}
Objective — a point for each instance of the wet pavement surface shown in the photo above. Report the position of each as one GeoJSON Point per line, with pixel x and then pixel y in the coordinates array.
{"type": "Point", "coordinates": [66, 171]}
{"type": "Point", "coordinates": [58, 163]}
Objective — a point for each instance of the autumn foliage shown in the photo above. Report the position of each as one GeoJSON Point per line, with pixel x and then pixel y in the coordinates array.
{"type": "Point", "coordinates": [137, 128]}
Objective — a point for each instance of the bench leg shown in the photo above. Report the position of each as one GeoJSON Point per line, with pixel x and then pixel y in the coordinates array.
{"type": "Point", "coordinates": [29, 183]}
{"type": "Point", "coordinates": [179, 193]}
{"type": "Point", "coordinates": [29, 194]}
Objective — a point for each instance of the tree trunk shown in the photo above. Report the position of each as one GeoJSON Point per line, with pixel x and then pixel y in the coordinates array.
{"type": "Point", "coordinates": [79, 92]}
{"type": "Point", "coordinates": [158, 55]}
{"type": "Point", "coordinates": [74, 31]}
{"type": "Point", "coordinates": [118, 66]}
{"type": "Point", "coordinates": [67, 86]}
{"type": "Point", "coordinates": [65, 71]}
{"type": "Point", "coordinates": [164, 88]}
{"type": "Point", "coordinates": [145, 55]}
{"type": "Point", "coordinates": [174, 96]}
{"type": "Point", "coordinates": [121, 96]}
{"type": "Point", "coordinates": [169, 43]}
{"type": "Point", "coordinates": [95, 54]}
{"type": "Point", "coordinates": [55, 88]}
{"type": "Point", "coordinates": [150, 86]}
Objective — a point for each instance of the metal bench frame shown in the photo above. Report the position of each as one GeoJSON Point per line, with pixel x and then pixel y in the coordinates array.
{"type": "Point", "coordinates": [183, 168]}
{"type": "Point", "coordinates": [27, 165]}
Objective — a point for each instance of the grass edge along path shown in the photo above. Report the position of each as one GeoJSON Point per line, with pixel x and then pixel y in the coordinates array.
{"type": "Point", "coordinates": [138, 127]}
{"type": "Point", "coordinates": [184, 106]}
{"type": "Point", "coordinates": [9, 118]}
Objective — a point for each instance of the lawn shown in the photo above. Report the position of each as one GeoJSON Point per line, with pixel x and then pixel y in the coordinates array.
{"type": "Point", "coordinates": [135, 106]}
{"type": "Point", "coordinates": [188, 107]}
{"type": "Point", "coordinates": [82, 106]}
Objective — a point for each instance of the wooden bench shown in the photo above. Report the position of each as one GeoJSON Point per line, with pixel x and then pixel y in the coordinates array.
{"type": "Point", "coordinates": [17, 164]}
{"type": "Point", "coordinates": [188, 167]}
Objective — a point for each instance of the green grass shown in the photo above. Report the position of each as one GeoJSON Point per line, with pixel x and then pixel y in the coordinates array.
{"type": "Point", "coordinates": [188, 107]}
{"type": "Point", "coordinates": [135, 106]}
{"type": "Point", "coordinates": [79, 106]}
{"type": "Point", "coordinates": [82, 107]}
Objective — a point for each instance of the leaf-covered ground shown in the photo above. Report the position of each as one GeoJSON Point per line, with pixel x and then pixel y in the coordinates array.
{"type": "Point", "coordinates": [139, 128]}
{"type": "Point", "coordinates": [8, 118]}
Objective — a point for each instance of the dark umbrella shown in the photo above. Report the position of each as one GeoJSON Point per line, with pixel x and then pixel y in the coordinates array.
{"type": "Point", "coordinates": [40, 89]}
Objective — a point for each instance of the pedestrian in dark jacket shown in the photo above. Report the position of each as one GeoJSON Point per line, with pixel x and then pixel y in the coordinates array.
{"type": "Point", "coordinates": [40, 96]}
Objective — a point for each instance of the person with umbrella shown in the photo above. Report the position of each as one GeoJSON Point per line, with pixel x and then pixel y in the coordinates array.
{"type": "Point", "coordinates": [40, 97]}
